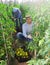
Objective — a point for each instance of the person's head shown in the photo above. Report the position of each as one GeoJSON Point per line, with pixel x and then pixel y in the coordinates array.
{"type": "Point", "coordinates": [15, 10]}
{"type": "Point", "coordinates": [28, 19]}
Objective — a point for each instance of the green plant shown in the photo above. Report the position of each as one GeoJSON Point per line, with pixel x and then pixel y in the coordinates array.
{"type": "Point", "coordinates": [41, 20]}
{"type": "Point", "coordinates": [38, 62]}
{"type": "Point", "coordinates": [2, 62]}
{"type": "Point", "coordinates": [40, 33]}
{"type": "Point", "coordinates": [7, 28]}
{"type": "Point", "coordinates": [45, 44]}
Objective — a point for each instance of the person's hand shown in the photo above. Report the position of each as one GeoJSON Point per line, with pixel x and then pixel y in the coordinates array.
{"type": "Point", "coordinates": [14, 19]}
{"type": "Point", "coordinates": [29, 36]}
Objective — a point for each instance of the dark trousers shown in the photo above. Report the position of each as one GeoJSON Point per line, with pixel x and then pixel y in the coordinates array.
{"type": "Point", "coordinates": [18, 25]}
{"type": "Point", "coordinates": [22, 38]}
{"type": "Point", "coordinates": [18, 21]}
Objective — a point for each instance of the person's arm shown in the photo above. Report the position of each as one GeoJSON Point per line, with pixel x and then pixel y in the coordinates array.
{"type": "Point", "coordinates": [24, 31]}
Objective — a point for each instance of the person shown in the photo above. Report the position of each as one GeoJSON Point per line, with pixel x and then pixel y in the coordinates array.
{"type": "Point", "coordinates": [27, 27]}
{"type": "Point", "coordinates": [17, 17]}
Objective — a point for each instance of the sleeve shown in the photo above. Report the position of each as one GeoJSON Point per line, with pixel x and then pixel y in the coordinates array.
{"type": "Point", "coordinates": [24, 30]}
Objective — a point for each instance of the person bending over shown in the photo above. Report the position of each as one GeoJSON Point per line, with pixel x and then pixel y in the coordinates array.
{"type": "Point", "coordinates": [17, 17]}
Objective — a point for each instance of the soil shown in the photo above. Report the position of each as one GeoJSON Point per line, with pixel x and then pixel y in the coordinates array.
{"type": "Point", "coordinates": [23, 63]}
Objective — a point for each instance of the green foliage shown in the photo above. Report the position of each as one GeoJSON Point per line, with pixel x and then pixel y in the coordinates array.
{"type": "Point", "coordinates": [40, 19]}
{"type": "Point", "coordinates": [45, 45]}
{"type": "Point", "coordinates": [24, 9]}
{"type": "Point", "coordinates": [38, 62]}
{"type": "Point", "coordinates": [41, 32]}
{"type": "Point", "coordinates": [2, 62]}
{"type": "Point", "coordinates": [7, 28]}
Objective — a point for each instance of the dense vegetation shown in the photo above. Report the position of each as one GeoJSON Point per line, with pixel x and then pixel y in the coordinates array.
{"type": "Point", "coordinates": [40, 46]}
{"type": "Point", "coordinates": [41, 43]}
{"type": "Point", "coordinates": [7, 28]}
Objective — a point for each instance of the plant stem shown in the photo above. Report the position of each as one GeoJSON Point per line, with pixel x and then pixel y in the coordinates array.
{"type": "Point", "coordinates": [35, 54]}
{"type": "Point", "coordinates": [5, 43]}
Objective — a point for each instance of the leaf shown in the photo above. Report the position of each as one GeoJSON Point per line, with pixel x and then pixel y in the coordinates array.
{"type": "Point", "coordinates": [41, 42]}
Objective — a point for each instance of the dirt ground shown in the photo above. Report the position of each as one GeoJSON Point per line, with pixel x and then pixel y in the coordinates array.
{"type": "Point", "coordinates": [23, 63]}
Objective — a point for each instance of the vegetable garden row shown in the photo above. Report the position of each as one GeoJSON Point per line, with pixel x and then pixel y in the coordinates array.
{"type": "Point", "coordinates": [39, 47]}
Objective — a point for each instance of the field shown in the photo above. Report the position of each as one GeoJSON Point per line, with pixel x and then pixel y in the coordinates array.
{"type": "Point", "coordinates": [39, 48]}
